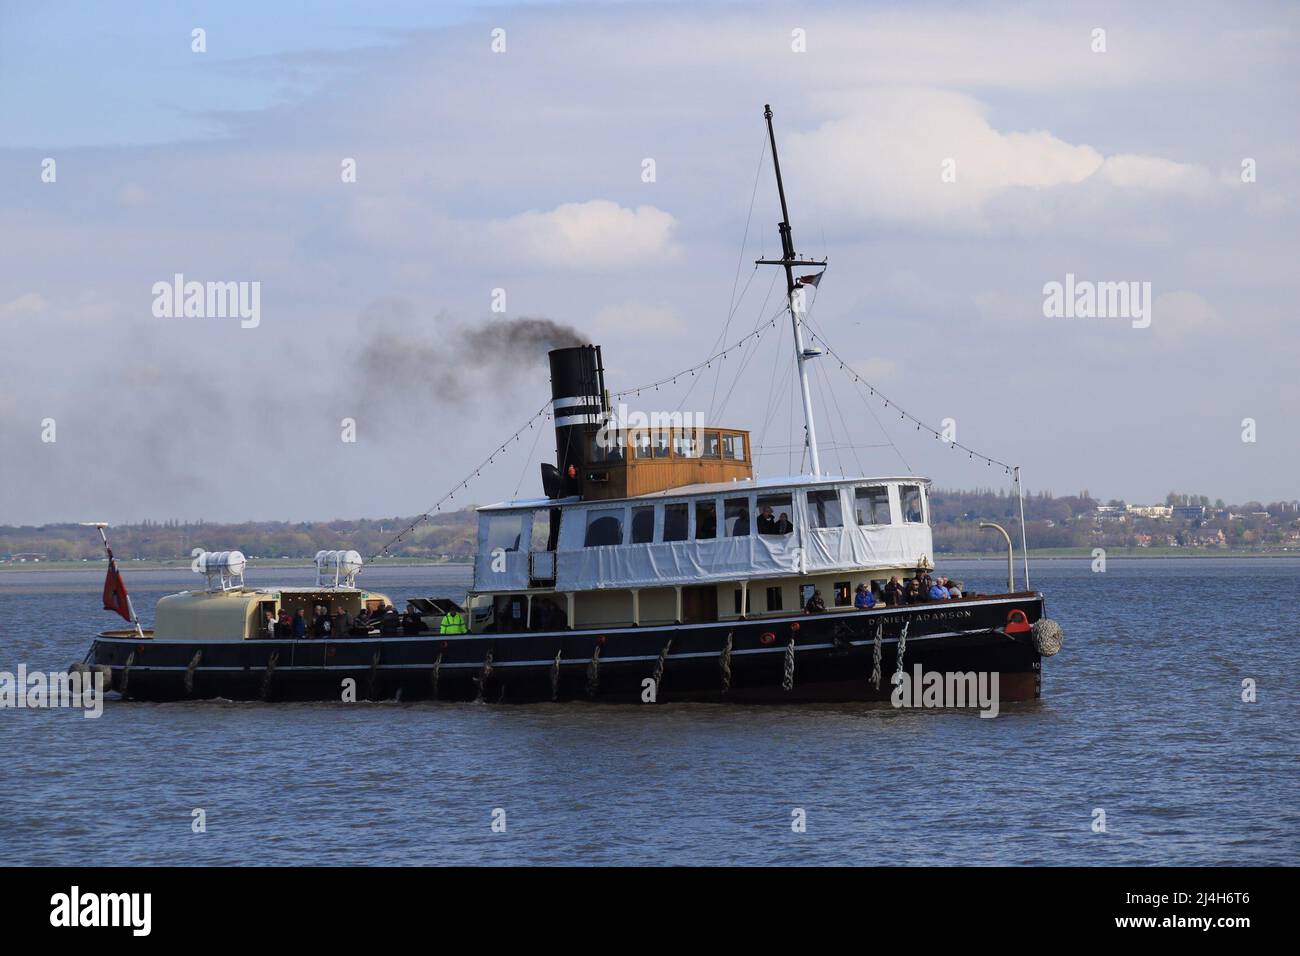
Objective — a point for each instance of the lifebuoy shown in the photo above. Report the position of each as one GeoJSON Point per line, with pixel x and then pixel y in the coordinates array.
{"type": "Point", "coordinates": [767, 637]}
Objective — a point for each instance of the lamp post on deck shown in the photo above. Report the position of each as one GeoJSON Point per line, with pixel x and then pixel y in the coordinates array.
{"type": "Point", "coordinates": [1011, 571]}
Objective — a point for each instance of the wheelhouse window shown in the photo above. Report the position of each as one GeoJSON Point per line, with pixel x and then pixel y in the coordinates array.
{"type": "Point", "coordinates": [712, 445]}
{"type": "Point", "coordinates": [676, 522]}
{"type": "Point", "coordinates": [685, 444]}
{"type": "Point", "coordinates": [733, 447]}
{"type": "Point", "coordinates": [825, 508]}
{"type": "Point", "coordinates": [643, 524]}
{"type": "Point", "coordinates": [774, 513]}
{"type": "Point", "coordinates": [604, 527]}
{"type": "Point", "coordinates": [871, 505]}
{"type": "Point", "coordinates": [504, 531]}
{"type": "Point", "coordinates": [909, 497]}
{"type": "Point", "coordinates": [706, 520]}
{"type": "Point", "coordinates": [606, 445]}
{"type": "Point", "coordinates": [736, 515]}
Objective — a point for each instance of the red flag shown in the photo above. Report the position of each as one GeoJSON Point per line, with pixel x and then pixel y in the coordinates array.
{"type": "Point", "coordinates": [115, 591]}
{"type": "Point", "coordinates": [809, 280]}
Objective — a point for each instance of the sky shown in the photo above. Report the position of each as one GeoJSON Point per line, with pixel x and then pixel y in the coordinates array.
{"type": "Point", "coordinates": [603, 167]}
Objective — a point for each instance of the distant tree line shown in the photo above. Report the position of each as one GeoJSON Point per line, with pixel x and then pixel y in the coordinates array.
{"type": "Point", "coordinates": [1050, 522]}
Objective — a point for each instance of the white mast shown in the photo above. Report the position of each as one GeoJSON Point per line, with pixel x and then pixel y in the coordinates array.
{"type": "Point", "coordinates": [789, 260]}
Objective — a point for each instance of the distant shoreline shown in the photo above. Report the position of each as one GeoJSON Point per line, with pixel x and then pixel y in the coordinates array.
{"type": "Point", "coordinates": [1054, 554]}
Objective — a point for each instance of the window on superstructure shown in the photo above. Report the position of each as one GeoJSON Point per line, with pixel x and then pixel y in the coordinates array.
{"type": "Point", "coordinates": [604, 527]}
{"type": "Point", "coordinates": [843, 594]}
{"type": "Point", "coordinates": [909, 497]}
{"type": "Point", "coordinates": [676, 522]}
{"type": "Point", "coordinates": [504, 531]}
{"type": "Point", "coordinates": [712, 445]}
{"type": "Point", "coordinates": [734, 447]}
{"type": "Point", "coordinates": [643, 524]}
{"type": "Point", "coordinates": [825, 508]}
{"type": "Point", "coordinates": [736, 517]}
{"type": "Point", "coordinates": [871, 505]}
{"type": "Point", "coordinates": [774, 598]}
{"type": "Point", "coordinates": [774, 514]}
{"type": "Point", "coordinates": [706, 520]}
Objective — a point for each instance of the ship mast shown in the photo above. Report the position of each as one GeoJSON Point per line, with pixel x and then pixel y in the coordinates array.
{"type": "Point", "coordinates": [789, 260]}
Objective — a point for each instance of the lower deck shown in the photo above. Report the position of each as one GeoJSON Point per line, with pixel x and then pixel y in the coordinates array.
{"type": "Point", "coordinates": [830, 656]}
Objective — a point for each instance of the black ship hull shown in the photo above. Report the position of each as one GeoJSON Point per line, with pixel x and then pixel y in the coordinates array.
{"type": "Point", "coordinates": [821, 657]}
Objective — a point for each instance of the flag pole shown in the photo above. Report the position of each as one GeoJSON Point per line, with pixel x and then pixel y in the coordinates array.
{"type": "Point", "coordinates": [112, 565]}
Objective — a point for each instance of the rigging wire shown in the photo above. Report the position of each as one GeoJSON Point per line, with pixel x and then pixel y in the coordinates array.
{"type": "Point", "coordinates": [543, 413]}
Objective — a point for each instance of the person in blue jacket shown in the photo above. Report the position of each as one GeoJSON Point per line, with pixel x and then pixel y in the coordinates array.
{"type": "Point", "coordinates": [938, 592]}
{"type": "Point", "coordinates": [863, 598]}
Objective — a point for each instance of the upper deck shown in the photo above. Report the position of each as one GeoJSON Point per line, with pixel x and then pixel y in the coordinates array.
{"type": "Point", "coordinates": [704, 532]}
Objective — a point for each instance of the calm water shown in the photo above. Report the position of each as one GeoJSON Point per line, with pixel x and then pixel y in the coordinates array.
{"type": "Point", "coordinates": [1142, 717]}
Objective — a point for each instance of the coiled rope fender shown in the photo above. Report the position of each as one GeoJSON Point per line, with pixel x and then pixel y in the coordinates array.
{"type": "Point", "coordinates": [126, 673]}
{"type": "Point", "coordinates": [724, 663]}
{"type": "Point", "coordinates": [593, 673]}
{"type": "Point", "coordinates": [875, 655]}
{"type": "Point", "coordinates": [484, 673]}
{"type": "Point", "coordinates": [555, 677]}
{"type": "Point", "coordinates": [658, 675]}
{"type": "Point", "coordinates": [269, 674]}
{"type": "Point", "coordinates": [1047, 635]}
{"type": "Point", "coordinates": [902, 647]}
{"type": "Point", "coordinates": [787, 683]}
{"type": "Point", "coordinates": [189, 671]}
{"type": "Point", "coordinates": [437, 666]}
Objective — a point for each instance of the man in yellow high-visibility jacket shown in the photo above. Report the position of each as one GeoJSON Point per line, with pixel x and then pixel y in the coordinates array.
{"type": "Point", "coordinates": [453, 623]}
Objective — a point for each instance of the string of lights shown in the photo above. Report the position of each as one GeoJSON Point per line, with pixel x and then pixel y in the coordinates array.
{"type": "Point", "coordinates": [904, 415]}
{"type": "Point", "coordinates": [707, 363]}
{"type": "Point", "coordinates": [543, 413]}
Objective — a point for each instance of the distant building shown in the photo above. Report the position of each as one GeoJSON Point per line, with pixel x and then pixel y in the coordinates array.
{"type": "Point", "coordinates": [1189, 512]}
{"type": "Point", "coordinates": [1150, 511]}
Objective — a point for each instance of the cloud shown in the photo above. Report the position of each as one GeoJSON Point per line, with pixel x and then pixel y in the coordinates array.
{"type": "Point", "coordinates": [593, 235]}
{"type": "Point", "coordinates": [1180, 313]}
{"type": "Point", "coordinates": [29, 303]}
{"type": "Point", "coordinates": [932, 159]}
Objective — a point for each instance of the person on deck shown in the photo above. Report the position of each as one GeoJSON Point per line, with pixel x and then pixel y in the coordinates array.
{"type": "Point", "coordinates": [453, 623]}
{"type": "Point", "coordinates": [299, 625]}
{"type": "Point", "coordinates": [894, 592]}
{"type": "Point", "coordinates": [361, 626]}
{"type": "Point", "coordinates": [815, 603]}
{"type": "Point", "coordinates": [783, 525]}
{"type": "Point", "coordinates": [913, 595]}
{"type": "Point", "coordinates": [954, 588]}
{"type": "Point", "coordinates": [863, 599]}
{"type": "Point", "coordinates": [766, 521]}
{"type": "Point", "coordinates": [938, 592]}
{"type": "Point", "coordinates": [411, 621]}
{"type": "Point", "coordinates": [391, 622]}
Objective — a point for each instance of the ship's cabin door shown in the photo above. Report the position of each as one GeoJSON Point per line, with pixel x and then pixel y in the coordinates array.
{"type": "Point", "coordinates": [699, 605]}
{"type": "Point", "coordinates": [541, 550]}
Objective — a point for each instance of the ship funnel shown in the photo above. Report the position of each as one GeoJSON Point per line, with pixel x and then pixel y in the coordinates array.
{"type": "Point", "coordinates": [579, 405]}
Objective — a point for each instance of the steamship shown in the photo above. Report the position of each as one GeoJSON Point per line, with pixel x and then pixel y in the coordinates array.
{"type": "Point", "coordinates": [655, 566]}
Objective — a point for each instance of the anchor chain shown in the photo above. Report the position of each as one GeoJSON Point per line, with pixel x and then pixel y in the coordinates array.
{"type": "Point", "coordinates": [788, 682]}
{"type": "Point", "coordinates": [437, 666]}
{"type": "Point", "coordinates": [658, 675]}
{"type": "Point", "coordinates": [555, 677]}
{"type": "Point", "coordinates": [593, 673]}
{"type": "Point", "coordinates": [724, 663]}
{"type": "Point", "coordinates": [189, 671]}
{"type": "Point", "coordinates": [902, 647]}
{"type": "Point", "coordinates": [875, 655]}
{"type": "Point", "coordinates": [270, 673]}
